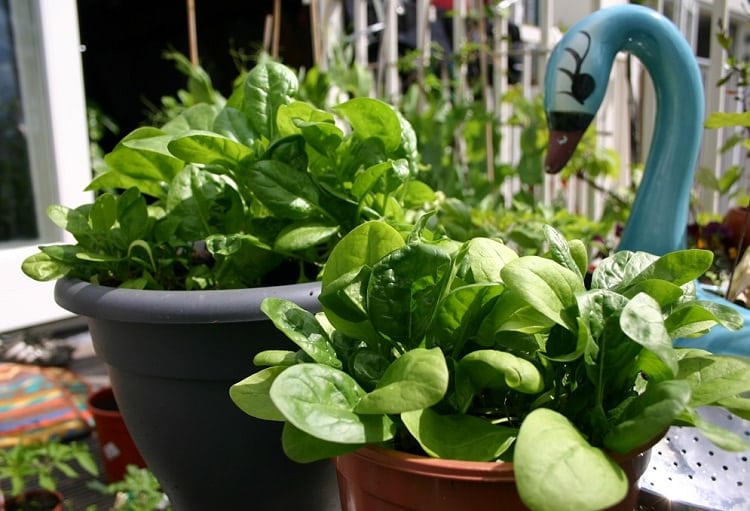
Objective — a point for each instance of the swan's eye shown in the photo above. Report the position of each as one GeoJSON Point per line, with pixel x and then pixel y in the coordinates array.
{"type": "Point", "coordinates": [582, 87]}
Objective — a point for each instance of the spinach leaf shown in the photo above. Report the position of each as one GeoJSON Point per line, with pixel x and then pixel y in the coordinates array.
{"type": "Point", "coordinates": [145, 169]}
{"type": "Point", "coordinates": [458, 437]}
{"type": "Point", "coordinates": [457, 317]}
{"type": "Point", "coordinates": [305, 234]}
{"type": "Point", "coordinates": [200, 204]}
{"type": "Point", "coordinates": [620, 269]}
{"type": "Point", "coordinates": [251, 394]}
{"type": "Point", "coordinates": [364, 246]}
{"type": "Point", "coordinates": [483, 259]}
{"type": "Point", "coordinates": [642, 321]}
{"type": "Point", "coordinates": [511, 313]}
{"type": "Point", "coordinates": [233, 124]}
{"type": "Point", "coordinates": [712, 378]}
{"type": "Point", "coordinates": [560, 252]}
{"type": "Point", "coordinates": [648, 415]}
{"type": "Point", "coordinates": [694, 318]}
{"type": "Point", "coordinates": [268, 86]}
{"type": "Point", "coordinates": [372, 118]}
{"type": "Point", "coordinates": [284, 190]}
{"type": "Point", "coordinates": [404, 290]}
{"type": "Point", "coordinates": [320, 400]}
{"type": "Point", "coordinates": [576, 477]}
{"type": "Point", "coordinates": [208, 148]}
{"type": "Point", "coordinates": [301, 327]}
{"type": "Point", "coordinates": [720, 437]}
{"type": "Point", "coordinates": [305, 448]}
{"type": "Point", "coordinates": [491, 369]}
{"type": "Point", "coordinates": [417, 379]}
{"type": "Point", "coordinates": [545, 285]}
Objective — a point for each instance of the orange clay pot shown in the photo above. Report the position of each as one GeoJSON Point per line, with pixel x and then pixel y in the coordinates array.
{"type": "Point", "coordinates": [116, 447]}
{"type": "Point", "coordinates": [379, 479]}
{"type": "Point", "coordinates": [37, 499]}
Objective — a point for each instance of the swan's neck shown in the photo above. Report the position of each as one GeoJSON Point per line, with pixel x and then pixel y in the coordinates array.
{"type": "Point", "coordinates": [659, 217]}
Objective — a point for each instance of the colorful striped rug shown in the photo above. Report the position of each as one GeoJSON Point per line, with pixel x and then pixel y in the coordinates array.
{"type": "Point", "coordinates": [41, 403]}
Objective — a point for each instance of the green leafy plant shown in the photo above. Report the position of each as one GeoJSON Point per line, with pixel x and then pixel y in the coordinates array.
{"type": "Point", "coordinates": [41, 462]}
{"type": "Point", "coordinates": [522, 223]}
{"type": "Point", "coordinates": [720, 232]}
{"type": "Point", "coordinates": [138, 491]}
{"type": "Point", "coordinates": [256, 192]}
{"type": "Point", "coordinates": [737, 73]}
{"type": "Point", "coordinates": [452, 142]}
{"type": "Point", "coordinates": [468, 351]}
{"type": "Point", "coordinates": [199, 90]}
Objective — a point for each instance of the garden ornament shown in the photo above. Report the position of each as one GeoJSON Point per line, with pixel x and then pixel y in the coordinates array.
{"type": "Point", "coordinates": [576, 81]}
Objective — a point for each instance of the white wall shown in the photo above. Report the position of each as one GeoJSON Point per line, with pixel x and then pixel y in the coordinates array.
{"type": "Point", "coordinates": [50, 76]}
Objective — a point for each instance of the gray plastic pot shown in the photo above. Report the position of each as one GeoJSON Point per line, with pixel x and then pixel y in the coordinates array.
{"type": "Point", "coordinates": [171, 357]}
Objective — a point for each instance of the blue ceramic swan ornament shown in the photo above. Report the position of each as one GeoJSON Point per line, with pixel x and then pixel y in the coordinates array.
{"type": "Point", "coordinates": [577, 76]}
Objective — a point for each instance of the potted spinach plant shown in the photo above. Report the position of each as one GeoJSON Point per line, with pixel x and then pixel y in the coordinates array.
{"type": "Point", "coordinates": [40, 461]}
{"type": "Point", "coordinates": [444, 375]}
{"type": "Point", "coordinates": [195, 222]}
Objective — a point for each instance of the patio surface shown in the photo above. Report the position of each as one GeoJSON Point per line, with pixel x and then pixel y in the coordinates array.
{"type": "Point", "coordinates": [79, 497]}
{"type": "Point", "coordinates": [727, 474]}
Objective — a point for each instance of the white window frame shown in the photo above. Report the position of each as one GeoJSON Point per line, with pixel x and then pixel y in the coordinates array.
{"type": "Point", "coordinates": [51, 83]}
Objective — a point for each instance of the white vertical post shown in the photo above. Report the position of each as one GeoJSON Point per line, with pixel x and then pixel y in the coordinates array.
{"type": "Point", "coordinates": [715, 96]}
{"type": "Point", "coordinates": [487, 95]}
{"type": "Point", "coordinates": [332, 29]}
{"type": "Point", "coordinates": [424, 36]}
{"type": "Point", "coordinates": [389, 52]}
{"type": "Point", "coordinates": [360, 33]}
{"type": "Point", "coordinates": [424, 41]}
{"type": "Point", "coordinates": [500, 81]}
{"type": "Point", "coordinates": [546, 15]}
{"type": "Point", "coordinates": [680, 16]}
{"type": "Point", "coordinates": [315, 30]}
{"type": "Point", "coordinates": [459, 39]}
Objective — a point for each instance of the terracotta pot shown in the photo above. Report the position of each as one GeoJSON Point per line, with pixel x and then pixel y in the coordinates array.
{"type": "Point", "coordinates": [116, 446]}
{"type": "Point", "coordinates": [41, 500]}
{"type": "Point", "coordinates": [374, 478]}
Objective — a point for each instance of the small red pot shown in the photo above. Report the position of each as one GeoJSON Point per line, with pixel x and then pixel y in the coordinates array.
{"type": "Point", "coordinates": [375, 478]}
{"type": "Point", "coordinates": [39, 499]}
{"type": "Point", "coordinates": [116, 447]}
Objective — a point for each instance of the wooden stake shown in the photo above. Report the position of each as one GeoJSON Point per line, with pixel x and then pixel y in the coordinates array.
{"type": "Point", "coordinates": [315, 32]}
{"type": "Point", "coordinates": [276, 29]}
{"type": "Point", "coordinates": [267, 33]}
{"type": "Point", "coordinates": [192, 33]}
{"type": "Point", "coordinates": [486, 93]}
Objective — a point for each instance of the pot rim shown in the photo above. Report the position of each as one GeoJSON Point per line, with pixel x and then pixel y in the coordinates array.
{"type": "Point", "coordinates": [460, 469]}
{"type": "Point", "coordinates": [199, 306]}
{"type": "Point", "coordinates": [31, 492]}
{"type": "Point", "coordinates": [437, 467]}
{"type": "Point", "coordinates": [94, 401]}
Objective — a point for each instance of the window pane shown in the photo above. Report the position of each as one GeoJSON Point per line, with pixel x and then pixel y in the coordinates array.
{"type": "Point", "coordinates": [17, 218]}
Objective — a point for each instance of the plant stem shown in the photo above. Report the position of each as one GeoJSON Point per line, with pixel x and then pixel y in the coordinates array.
{"type": "Point", "coordinates": [599, 188]}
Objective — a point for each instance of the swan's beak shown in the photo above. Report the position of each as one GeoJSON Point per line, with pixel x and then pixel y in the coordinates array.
{"type": "Point", "coordinates": [560, 148]}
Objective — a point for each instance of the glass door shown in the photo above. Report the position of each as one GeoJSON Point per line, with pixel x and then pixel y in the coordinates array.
{"type": "Point", "coordinates": [43, 145]}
